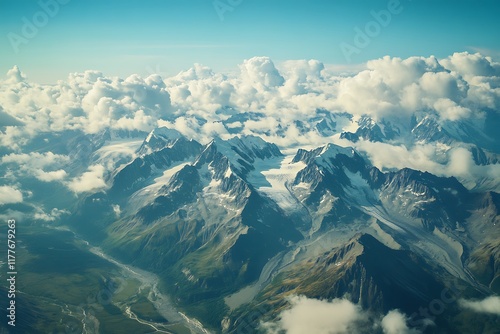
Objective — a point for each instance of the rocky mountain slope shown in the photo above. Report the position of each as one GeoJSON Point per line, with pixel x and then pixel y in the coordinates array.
{"type": "Point", "coordinates": [236, 224]}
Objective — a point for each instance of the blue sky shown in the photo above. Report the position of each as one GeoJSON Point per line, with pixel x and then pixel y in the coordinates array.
{"type": "Point", "coordinates": [120, 37]}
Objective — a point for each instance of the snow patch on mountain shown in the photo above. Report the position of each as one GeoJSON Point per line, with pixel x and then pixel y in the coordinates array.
{"type": "Point", "coordinates": [212, 194]}
{"type": "Point", "coordinates": [359, 190]}
{"type": "Point", "coordinates": [273, 177]}
{"type": "Point", "coordinates": [383, 236]}
{"type": "Point", "coordinates": [332, 150]}
{"type": "Point", "coordinates": [325, 206]}
{"type": "Point", "coordinates": [147, 194]}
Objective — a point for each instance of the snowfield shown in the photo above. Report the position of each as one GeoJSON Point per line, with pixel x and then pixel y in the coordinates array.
{"type": "Point", "coordinates": [273, 177]}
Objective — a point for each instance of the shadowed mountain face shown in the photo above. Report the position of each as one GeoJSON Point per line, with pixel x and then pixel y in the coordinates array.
{"type": "Point", "coordinates": [235, 225]}
{"type": "Point", "coordinates": [363, 270]}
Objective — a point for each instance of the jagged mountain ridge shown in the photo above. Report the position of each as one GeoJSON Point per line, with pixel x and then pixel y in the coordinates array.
{"type": "Point", "coordinates": [238, 211]}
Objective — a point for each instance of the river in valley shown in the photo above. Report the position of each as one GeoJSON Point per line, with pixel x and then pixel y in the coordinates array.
{"type": "Point", "coordinates": [149, 283]}
{"type": "Point", "coordinates": [161, 302]}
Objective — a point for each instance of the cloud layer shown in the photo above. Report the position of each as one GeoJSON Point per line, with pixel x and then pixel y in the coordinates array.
{"type": "Point", "coordinates": [457, 87]}
{"type": "Point", "coordinates": [284, 103]}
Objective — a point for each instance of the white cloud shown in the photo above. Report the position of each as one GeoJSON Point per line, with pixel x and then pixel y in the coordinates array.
{"type": "Point", "coordinates": [117, 210]}
{"type": "Point", "coordinates": [489, 305]}
{"type": "Point", "coordinates": [388, 87]}
{"type": "Point", "coordinates": [53, 215]}
{"type": "Point", "coordinates": [14, 137]}
{"type": "Point", "coordinates": [471, 64]}
{"type": "Point", "coordinates": [188, 126]}
{"type": "Point", "coordinates": [301, 77]}
{"type": "Point", "coordinates": [392, 87]}
{"type": "Point", "coordinates": [316, 316]}
{"type": "Point", "coordinates": [91, 180]}
{"type": "Point", "coordinates": [441, 85]}
{"type": "Point", "coordinates": [125, 104]}
{"type": "Point", "coordinates": [200, 90]}
{"type": "Point", "coordinates": [449, 110]}
{"type": "Point", "coordinates": [15, 76]}
{"type": "Point", "coordinates": [55, 175]}
{"type": "Point", "coordinates": [196, 101]}
{"type": "Point", "coordinates": [339, 316]}
{"type": "Point", "coordinates": [395, 323]}
{"type": "Point", "coordinates": [10, 195]}
{"type": "Point", "coordinates": [304, 70]}
{"type": "Point", "coordinates": [87, 101]}
{"type": "Point", "coordinates": [261, 73]}
{"type": "Point", "coordinates": [436, 158]}
{"type": "Point", "coordinates": [35, 164]}
{"type": "Point", "coordinates": [35, 159]}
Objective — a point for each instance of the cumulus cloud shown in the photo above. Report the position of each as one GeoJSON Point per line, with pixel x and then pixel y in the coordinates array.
{"type": "Point", "coordinates": [15, 137]}
{"type": "Point", "coordinates": [200, 91]}
{"type": "Point", "coordinates": [437, 158]}
{"type": "Point", "coordinates": [321, 317]}
{"type": "Point", "coordinates": [261, 72]}
{"type": "Point", "coordinates": [301, 77]}
{"type": "Point", "coordinates": [35, 164]}
{"type": "Point", "coordinates": [10, 195]}
{"type": "Point", "coordinates": [91, 180]}
{"type": "Point", "coordinates": [188, 126]}
{"type": "Point", "coordinates": [471, 64]}
{"type": "Point", "coordinates": [339, 316]}
{"type": "Point", "coordinates": [14, 76]}
{"type": "Point", "coordinates": [395, 323]}
{"type": "Point", "coordinates": [55, 175]}
{"type": "Point", "coordinates": [397, 87]}
{"type": "Point", "coordinates": [35, 159]}
{"type": "Point", "coordinates": [490, 305]}
{"type": "Point", "coordinates": [130, 104]}
{"type": "Point", "coordinates": [51, 216]}
{"type": "Point", "coordinates": [456, 88]}
{"type": "Point", "coordinates": [442, 85]}
{"type": "Point", "coordinates": [305, 70]}
{"type": "Point", "coordinates": [87, 101]}
{"type": "Point", "coordinates": [449, 110]}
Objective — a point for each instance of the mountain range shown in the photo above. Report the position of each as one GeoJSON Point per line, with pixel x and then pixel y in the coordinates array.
{"type": "Point", "coordinates": [236, 225]}
{"type": "Point", "coordinates": [265, 201]}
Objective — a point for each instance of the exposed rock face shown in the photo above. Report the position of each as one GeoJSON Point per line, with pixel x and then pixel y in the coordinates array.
{"type": "Point", "coordinates": [237, 214]}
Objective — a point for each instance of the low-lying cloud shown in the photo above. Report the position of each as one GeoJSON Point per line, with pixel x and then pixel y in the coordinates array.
{"type": "Point", "coordinates": [91, 180]}
{"type": "Point", "coordinates": [51, 216]}
{"type": "Point", "coordinates": [339, 316]}
{"type": "Point", "coordinates": [46, 167]}
{"type": "Point", "coordinates": [395, 323]}
{"type": "Point", "coordinates": [490, 305]}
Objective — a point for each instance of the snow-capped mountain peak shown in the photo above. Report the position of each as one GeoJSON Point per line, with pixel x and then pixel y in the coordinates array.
{"type": "Point", "coordinates": [332, 150]}
{"type": "Point", "coordinates": [240, 152]}
{"type": "Point", "coordinates": [157, 139]}
{"type": "Point", "coordinates": [163, 132]}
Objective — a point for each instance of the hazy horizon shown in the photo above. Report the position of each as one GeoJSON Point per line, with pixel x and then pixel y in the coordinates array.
{"type": "Point", "coordinates": [48, 39]}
